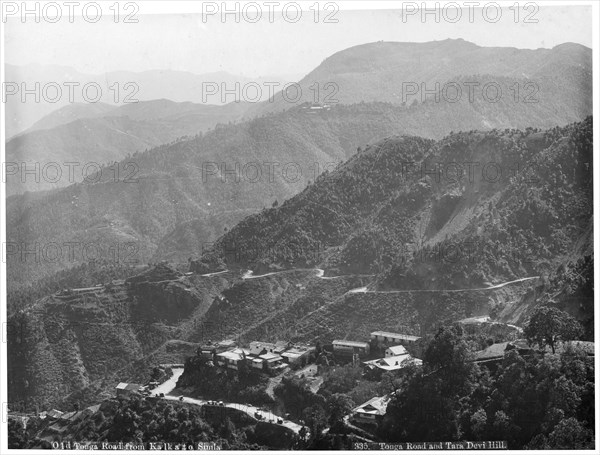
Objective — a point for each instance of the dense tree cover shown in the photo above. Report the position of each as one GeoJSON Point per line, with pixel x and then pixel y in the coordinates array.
{"type": "Point", "coordinates": [339, 405]}
{"type": "Point", "coordinates": [534, 211]}
{"type": "Point", "coordinates": [296, 396]}
{"type": "Point", "coordinates": [425, 407]}
{"type": "Point", "coordinates": [17, 436]}
{"type": "Point", "coordinates": [137, 420]}
{"type": "Point", "coordinates": [366, 205]}
{"type": "Point", "coordinates": [317, 414]}
{"type": "Point", "coordinates": [549, 325]}
{"type": "Point", "coordinates": [71, 347]}
{"type": "Point", "coordinates": [80, 276]}
{"type": "Point", "coordinates": [180, 183]}
{"type": "Point", "coordinates": [373, 213]}
{"type": "Point", "coordinates": [211, 382]}
{"type": "Point", "coordinates": [570, 287]}
{"type": "Point", "coordinates": [327, 212]}
{"type": "Point", "coordinates": [537, 401]}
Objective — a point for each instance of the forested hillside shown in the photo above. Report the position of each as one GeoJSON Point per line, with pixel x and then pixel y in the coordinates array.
{"type": "Point", "coordinates": [455, 86]}
{"type": "Point", "coordinates": [388, 71]}
{"type": "Point", "coordinates": [404, 246]}
{"type": "Point", "coordinates": [212, 181]}
{"type": "Point", "coordinates": [398, 210]}
{"type": "Point", "coordinates": [91, 136]}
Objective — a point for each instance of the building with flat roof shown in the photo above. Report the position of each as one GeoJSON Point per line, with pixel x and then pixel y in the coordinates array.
{"type": "Point", "coordinates": [349, 348]}
{"type": "Point", "coordinates": [125, 389]}
{"type": "Point", "coordinates": [298, 354]}
{"type": "Point", "coordinates": [232, 359]}
{"type": "Point", "coordinates": [390, 338]}
{"type": "Point", "coordinates": [268, 360]}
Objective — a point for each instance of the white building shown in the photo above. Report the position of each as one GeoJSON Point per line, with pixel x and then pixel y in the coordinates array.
{"type": "Point", "coordinates": [270, 360]}
{"type": "Point", "coordinates": [394, 363]}
{"type": "Point", "coordinates": [297, 355]}
{"type": "Point", "coordinates": [124, 389]}
{"type": "Point", "coordinates": [371, 411]}
{"type": "Point", "coordinates": [395, 350]}
{"type": "Point", "coordinates": [232, 359]}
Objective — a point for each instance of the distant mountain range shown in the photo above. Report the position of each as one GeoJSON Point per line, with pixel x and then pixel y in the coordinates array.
{"type": "Point", "coordinates": [176, 205]}
{"type": "Point", "coordinates": [178, 86]}
{"type": "Point", "coordinates": [101, 134]}
{"type": "Point", "coordinates": [386, 71]}
{"type": "Point", "coordinates": [463, 85]}
{"type": "Point", "coordinates": [184, 181]}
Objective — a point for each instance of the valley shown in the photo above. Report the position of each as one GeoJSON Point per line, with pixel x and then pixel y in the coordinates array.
{"type": "Point", "coordinates": [391, 266]}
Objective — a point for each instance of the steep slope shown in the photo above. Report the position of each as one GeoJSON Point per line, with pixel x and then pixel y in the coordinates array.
{"type": "Point", "coordinates": [403, 250]}
{"type": "Point", "coordinates": [76, 344]}
{"type": "Point", "coordinates": [99, 136]}
{"type": "Point", "coordinates": [114, 88]}
{"type": "Point", "coordinates": [273, 157]}
{"type": "Point", "coordinates": [434, 119]}
{"type": "Point", "coordinates": [181, 182]}
{"type": "Point", "coordinates": [388, 71]}
{"type": "Point", "coordinates": [399, 211]}
{"type": "Point", "coordinates": [299, 144]}
{"type": "Point", "coordinates": [70, 113]}
{"type": "Point", "coordinates": [142, 110]}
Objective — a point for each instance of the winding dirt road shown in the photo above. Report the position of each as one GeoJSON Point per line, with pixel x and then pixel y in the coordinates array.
{"type": "Point", "coordinates": [320, 273]}
{"type": "Point", "coordinates": [169, 385]}
{"type": "Point", "coordinates": [365, 290]}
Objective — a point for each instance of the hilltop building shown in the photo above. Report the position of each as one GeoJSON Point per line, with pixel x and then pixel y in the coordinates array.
{"type": "Point", "coordinates": [210, 349]}
{"type": "Point", "coordinates": [232, 359]}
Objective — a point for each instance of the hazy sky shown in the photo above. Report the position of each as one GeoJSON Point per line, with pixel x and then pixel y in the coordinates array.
{"type": "Point", "coordinates": [186, 42]}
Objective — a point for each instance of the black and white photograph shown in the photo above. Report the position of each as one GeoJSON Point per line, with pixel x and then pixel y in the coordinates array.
{"type": "Point", "coordinates": [298, 226]}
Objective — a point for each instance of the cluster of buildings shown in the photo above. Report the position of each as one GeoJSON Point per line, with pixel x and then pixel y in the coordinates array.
{"type": "Point", "coordinates": [313, 108]}
{"type": "Point", "coordinates": [395, 356]}
{"type": "Point", "coordinates": [270, 357]}
{"type": "Point", "coordinates": [275, 357]}
{"type": "Point", "coordinates": [58, 420]}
